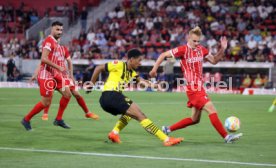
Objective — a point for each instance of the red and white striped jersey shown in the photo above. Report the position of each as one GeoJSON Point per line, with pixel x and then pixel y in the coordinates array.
{"type": "Point", "coordinates": [191, 62]}
{"type": "Point", "coordinates": [64, 55]}
{"type": "Point", "coordinates": [62, 61]}
{"type": "Point", "coordinates": [55, 56]}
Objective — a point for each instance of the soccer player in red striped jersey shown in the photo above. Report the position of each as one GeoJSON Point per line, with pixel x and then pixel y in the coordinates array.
{"type": "Point", "coordinates": [192, 55]}
{"type": "Point", "coordinates": [49, 77]}
{"type": "Point", "coordinates": [69, 79]}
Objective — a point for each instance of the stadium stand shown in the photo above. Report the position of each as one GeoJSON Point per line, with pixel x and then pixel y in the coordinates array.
{"type": "Point", "coordinates": [151, 25]}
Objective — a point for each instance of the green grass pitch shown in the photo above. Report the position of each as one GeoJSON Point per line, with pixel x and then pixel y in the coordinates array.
{"type": "Point", "coordinates": [87, 139]}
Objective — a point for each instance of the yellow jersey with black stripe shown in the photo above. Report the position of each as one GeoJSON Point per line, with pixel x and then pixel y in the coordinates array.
{"type": "Point", "coordinates": [119, 76]}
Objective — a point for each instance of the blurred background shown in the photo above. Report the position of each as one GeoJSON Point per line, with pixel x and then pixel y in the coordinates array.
{"type": "Point", "coordinates": [97, 31]}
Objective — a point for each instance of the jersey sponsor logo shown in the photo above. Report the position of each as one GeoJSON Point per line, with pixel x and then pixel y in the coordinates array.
{"type": "Point", "coordinates": [194, 59]}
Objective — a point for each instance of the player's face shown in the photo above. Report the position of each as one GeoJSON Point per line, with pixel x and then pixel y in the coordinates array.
{"type": "Point", "coordinates": [136, 62]}
{"type": "Point", "coordinates": [194, 40]}
{"type": "Point", "coordinates": [57, 31]}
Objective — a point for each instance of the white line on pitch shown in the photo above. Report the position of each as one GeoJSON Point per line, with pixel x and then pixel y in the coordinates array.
{"type": "Point", "coordinates": [138, 157]}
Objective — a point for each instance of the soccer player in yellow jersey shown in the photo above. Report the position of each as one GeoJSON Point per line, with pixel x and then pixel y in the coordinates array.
{"type": "Point", "coordinates": [272, 107]}
{"type": "Point", "coordinates": [114, 102]}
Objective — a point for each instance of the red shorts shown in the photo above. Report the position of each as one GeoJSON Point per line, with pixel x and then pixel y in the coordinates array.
{"type": "Point", "coordinates": [197, 97]}
{"type": "Point", "coordinates": [69, 82]}
{"type": "Point", "coordinates": [61, 82]}
{"type": "Point", "coordinates": [46, 86]}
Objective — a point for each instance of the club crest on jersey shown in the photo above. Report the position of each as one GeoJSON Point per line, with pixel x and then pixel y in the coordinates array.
{"type": "Point", "coordinates": [194, 59]}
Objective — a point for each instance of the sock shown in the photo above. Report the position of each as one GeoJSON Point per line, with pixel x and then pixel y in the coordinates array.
{"type": "Point", "coordinates": [37, 108]}
{"type": "Point", "coordinates": [274, 102]}
{"type": "Point", "coordinates": [46, 109]}
{"type": "Point", "coordinates": [62, 106]}
{"type": "Point", "coordinates": [152, 129]}
{"type": "Point", "coordinates": [217, 124]}
{"type": "Point", "coordinates": [121, 123]}
{"type": "Point", "coordinates": [181, 124]}
{"type": "Point", "coordinates": [82, 103]}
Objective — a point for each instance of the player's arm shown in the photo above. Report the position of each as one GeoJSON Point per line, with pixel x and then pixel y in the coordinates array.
{"type": "Point", "coordinates": [214, 59]}
{"type": "Point", "coordinates": [45, 60]}
{"type": "Point", "coordinates": [160, 59]}
{"type": "Point", "coordinates": [70, 67]}
{"type": "Point", "coordinates": [97, 71]}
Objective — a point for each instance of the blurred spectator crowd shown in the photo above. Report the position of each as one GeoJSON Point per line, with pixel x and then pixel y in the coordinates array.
{"type": "Point", "coordinates": [158, 25]}
{"type": "Point", "coordinates": [154, 26]}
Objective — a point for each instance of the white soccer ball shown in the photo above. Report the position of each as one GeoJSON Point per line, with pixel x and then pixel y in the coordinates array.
{"type": "Point", "coordinates": [232, 124]}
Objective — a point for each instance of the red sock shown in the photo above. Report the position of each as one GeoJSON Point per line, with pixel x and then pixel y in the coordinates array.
{"type": "Point", "coordinates": [62, 106]}
{"type": "Point", "coordinates": [181, 124]}
{"type": "Point", "coordinates": [82, 103]}
{"type": "Point", "coordinates": [217, 124]}
{"type": "Point", "coordinates": [37, 108]}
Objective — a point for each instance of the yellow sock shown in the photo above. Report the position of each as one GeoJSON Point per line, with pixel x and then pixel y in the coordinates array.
{"type": "Point", "coordinates": [274, 102]}
{"type": "Point", "coordinates": [152, 129]}
{"type": "Point", "coordinates": [121, 123]}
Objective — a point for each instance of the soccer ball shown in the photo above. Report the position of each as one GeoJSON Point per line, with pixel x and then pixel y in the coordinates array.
{"type": "Point", "coordinates": [232, 124]}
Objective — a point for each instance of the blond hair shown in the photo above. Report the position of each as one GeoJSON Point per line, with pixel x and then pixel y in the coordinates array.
{"type": "Point", "coordinates": [197, 31]}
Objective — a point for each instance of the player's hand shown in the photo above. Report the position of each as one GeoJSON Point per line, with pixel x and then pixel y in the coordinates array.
{"type": "Point", "coordinates": [33, 78]}
{"type": "Point", "coordinates": [153, 73]}
{"type": "Point", "coordinates": [61, 69]}
{"type": "Point", "coordinates": [223, 42]}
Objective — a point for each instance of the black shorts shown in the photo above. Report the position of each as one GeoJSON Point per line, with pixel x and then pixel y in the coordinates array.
{"type": "Point", "coordinates": [115, 102]}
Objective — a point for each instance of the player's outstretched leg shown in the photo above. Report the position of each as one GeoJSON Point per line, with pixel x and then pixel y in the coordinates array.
{"type": "Point", "coordinates": [135, 112]}
{"type": "Point", "coordinates": [194, 119]}
{"type": "Point", "coordinates": [209, 107]}
{"type": "Point", "coordinates": [150, 127]}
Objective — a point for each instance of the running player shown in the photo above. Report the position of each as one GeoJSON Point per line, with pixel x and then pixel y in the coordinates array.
{"type": "Point", "coordinates": [114, 102]}
{"type": "Point", "coordinates": [192, 56]}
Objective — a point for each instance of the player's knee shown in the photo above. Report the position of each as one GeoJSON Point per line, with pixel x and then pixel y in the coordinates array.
{"type": "Point", "coordinates": [196, 120]}
{"type": "Point", "coordinates": [67, 95]}
{"type": "Point", "coordinates": [46, 102]}
{"type": "Point", "coordinates": [77, 96]}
